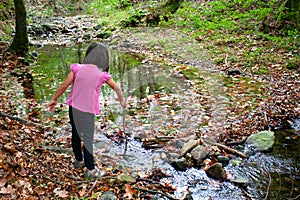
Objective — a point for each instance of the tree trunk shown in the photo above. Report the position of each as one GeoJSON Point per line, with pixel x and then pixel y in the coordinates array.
{"type": "Point", "coordinates": [293, 5]}
{"type": "Point", "coordinates": [171, 6]}
{"type": "Point", "coordinates": [293, 9]}
{"type": "Point", "coordinates": [20, 42]}
{"type": "Point", "coordinates": [290, 14]}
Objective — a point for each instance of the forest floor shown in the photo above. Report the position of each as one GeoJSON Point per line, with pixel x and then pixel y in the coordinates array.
{"type": "Point", "coordinates": [30, 171]}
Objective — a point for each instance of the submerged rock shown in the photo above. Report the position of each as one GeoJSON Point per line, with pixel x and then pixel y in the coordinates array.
{"type": "Point", "coordinates": [240, 181]}
{"type": "Point", "coordinates": [224, 160]}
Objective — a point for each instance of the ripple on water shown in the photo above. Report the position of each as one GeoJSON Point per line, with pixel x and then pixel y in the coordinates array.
{"type": "Point", "coordinates": [268, 175]}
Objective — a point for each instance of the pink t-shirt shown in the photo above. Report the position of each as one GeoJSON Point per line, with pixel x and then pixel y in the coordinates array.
{"type": "Point", "coordinates": [86, 86]}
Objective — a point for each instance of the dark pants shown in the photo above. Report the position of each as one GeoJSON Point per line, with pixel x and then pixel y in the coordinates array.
{"type": "Point", "coordinates": [82, 130]}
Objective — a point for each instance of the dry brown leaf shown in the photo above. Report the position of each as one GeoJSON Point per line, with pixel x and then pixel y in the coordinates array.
{"type": "Point", "coordinates": [39, 190]}
{"type": "Point", "coordinates": [23, 172]}
{"type": "Point", "coordinates": [10, 147]}
{"type": "Point", "coordinates": [19, 183]}
{"type": "Point", "coordinates": [61, 193]}
{"type": "Point", "coordinates": [82, 193]}
{"type": "Point", "coordinates": [26, 130]}
{"type": "Point", "coordinates": [129, 191]}
{"type": "Point", "coordinates": [3, 181]}
{"type": "Point", "coordinates": [6, 190]}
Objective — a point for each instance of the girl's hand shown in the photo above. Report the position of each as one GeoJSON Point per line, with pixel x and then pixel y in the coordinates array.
{"type": "Point", "coordinates": [123, 104]}
{"type": "Point", "coordinates": [51, 105]}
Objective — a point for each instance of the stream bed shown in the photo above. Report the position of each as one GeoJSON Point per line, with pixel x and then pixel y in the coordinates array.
{"type": "Point", "coordinates": [272, 175]}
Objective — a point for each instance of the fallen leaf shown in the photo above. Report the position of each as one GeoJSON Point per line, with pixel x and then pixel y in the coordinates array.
{"type": "Point", "coordinates": [19, 183]}
{"type": "Point", "coordinates": [23, 172]}
{"type": "Point", "coordinates": [7, 190]}
{"type": "Point", "coordinates": [10, 147]}
{"type": "Point", "coordinates": [60, 193]}
{"type": "Point", "coordinates": [3, 181]}
{"type": "Point", "coordinates": [26, 130]}
{"type": "Point", "coordinates": [39, 191]}
{"type": "Point", "coordinates": [83, 190]}
{"type": "Point", "coordinates": [129, 191]}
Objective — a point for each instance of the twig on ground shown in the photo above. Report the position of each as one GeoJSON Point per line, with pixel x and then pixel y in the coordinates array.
{"type": "Point", "coordinates": [156, 192]}
{"type": "Point", "coordinates": [226, 62]}
{"type": "Point", "coordinates": [23, 121]}
{"type": "Point", "coordinates": [151, 181]}
{"type": "Point", "coordinates": [295, 197]}
{"type": "Point", "coordinates": [53, 148]}
{"type": "Point", "coordinates": [92, 180]}
{"type": "Point", "coordinates": [236, 152]}
{"type": "Point", "coordinates": [63, 60]}
{"type": "Point", "coordinates": [90, 190]}
{"type": "Point", "coordinates": [268, 189]}
{"type": "Point", "coordinates": [45, 176]}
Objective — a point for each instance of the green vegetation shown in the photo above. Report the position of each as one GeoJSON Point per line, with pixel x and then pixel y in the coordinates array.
{"type": "Point", "coordinates": [247, 33]}
{"type": "Point", "coordinates": [6, 8]}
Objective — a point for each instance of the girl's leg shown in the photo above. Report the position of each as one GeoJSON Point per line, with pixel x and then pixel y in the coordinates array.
{"type": "Point", "coordinates": [88, 140]}
{"type": "Point", "coordinates": [84, 123]}
{"type": "Point", "coordinates": [76, 140]}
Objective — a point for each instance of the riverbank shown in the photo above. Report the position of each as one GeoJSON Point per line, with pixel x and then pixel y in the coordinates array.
{"type": "Point", "coordinates": [262, 93]}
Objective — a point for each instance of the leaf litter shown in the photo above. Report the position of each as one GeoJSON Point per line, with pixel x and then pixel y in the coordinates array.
{"type": "Point", "coordinates": [29, 170]}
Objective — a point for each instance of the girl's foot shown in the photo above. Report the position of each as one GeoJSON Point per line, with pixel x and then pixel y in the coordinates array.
{"type": "Point", "coordinates": [78, 164]}
{"type": "Point", "coordinates": [94, 173]}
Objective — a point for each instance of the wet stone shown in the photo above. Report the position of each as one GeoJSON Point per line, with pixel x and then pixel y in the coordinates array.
{"type": "Point", "coordinates": [187, 147]}
{"type": "Point", "coordinates": [262, 141]}
{"type": "Point", "coordinates": [180, 164]}
{"type": "Point", "coordinates": [224, 160]}
{"type": "Point", "coordinates": [108, 196]}
{"type": "Point", "coordinates": [240, 181]}
{"type": "Point", "coordinates": [188, 197]}
{"type": "Point", "coordinates": [216, 171]}
{"type": "Point", "coordinates": [234, 71]}
{"type": "Point", "coordinates": [199, 153]}
{"type": "Point", "coordinates": [126, 178]}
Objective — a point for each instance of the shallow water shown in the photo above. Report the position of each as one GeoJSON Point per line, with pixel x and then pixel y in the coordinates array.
{"type": "Point", "coordinates": [274, 175]}
{"type": "Point", "coordinates": [138, 161]}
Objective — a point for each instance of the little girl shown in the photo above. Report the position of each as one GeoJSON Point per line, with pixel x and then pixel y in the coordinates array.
{"type": "Point", "coordinates": [86, 80]}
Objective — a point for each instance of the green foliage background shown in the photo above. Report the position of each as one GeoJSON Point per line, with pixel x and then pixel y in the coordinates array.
{"type": "Point", "coordinates": [220, 25]}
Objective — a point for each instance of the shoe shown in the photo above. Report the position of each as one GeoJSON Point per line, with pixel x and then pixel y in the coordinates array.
{"type": "Point", "coordinates": [78, 164]}
{"type": "Point", "coordinates": [94, 173]}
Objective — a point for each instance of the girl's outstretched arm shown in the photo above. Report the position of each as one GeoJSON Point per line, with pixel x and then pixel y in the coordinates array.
{"type": "Point", "coordinates": [118, 90]}
{"type": "Point", "coordinates": [60, 90]}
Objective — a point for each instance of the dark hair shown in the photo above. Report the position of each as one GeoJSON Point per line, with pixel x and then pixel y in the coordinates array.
{"type": "Point", "coordinates": [97, 54]}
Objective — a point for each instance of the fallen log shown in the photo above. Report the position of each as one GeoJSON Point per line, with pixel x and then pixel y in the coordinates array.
{"type": "Point", "coordinates": [55, 148]}
{"type": "Point", "coordinates": [231, 150]}
{"type": "Point", "coordinates": [23, 121]}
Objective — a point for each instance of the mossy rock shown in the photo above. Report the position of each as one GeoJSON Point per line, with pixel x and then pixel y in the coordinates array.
{"type": "Point", "coordinates": [262, 141]}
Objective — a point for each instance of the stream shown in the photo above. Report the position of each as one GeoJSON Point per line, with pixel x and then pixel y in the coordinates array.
{"type": "Point", "coordinates": [272, 175]}
{"type": "Point", "coordinates": [161, 99]}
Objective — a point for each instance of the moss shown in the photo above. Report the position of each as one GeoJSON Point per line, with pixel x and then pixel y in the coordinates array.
{"type": "Point", "coordinates": [293, 65]}
{"type": "Point", "coordinates": [6, 7]}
